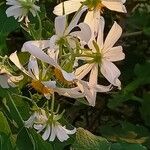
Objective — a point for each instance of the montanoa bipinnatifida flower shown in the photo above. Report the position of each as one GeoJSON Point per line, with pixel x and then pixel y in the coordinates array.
{"type": "Point", "coordinates": [8, 80]}
{"type": "Point", "coordinates": [94, 8]}
{"type": "Point", "coordinates": [101, 54]}
{"type": "Point", "coordinates": [49, 126]}
{"type": "Point", "coordinates": [20, 9]}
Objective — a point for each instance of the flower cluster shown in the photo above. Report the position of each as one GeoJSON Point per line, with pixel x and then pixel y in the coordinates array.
{"type": "Point", "coordinates": [71, 62]}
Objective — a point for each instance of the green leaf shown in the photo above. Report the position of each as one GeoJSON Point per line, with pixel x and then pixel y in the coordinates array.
{"type": "Point", "coordinates": [5, 143]}
{"type": "Point", "coordinates": [7, 25]}
{"type": "Point", "coordinates": [40, 144]}
{"type": "Point", "coordinates": [87, 141]}
{"type": "Point", "coordinates": [25, 140]}
{"type": "Point", "coordinates": [127, 146]}
{"type": "Point", "coordinates": [145, 110]}
{"type": "Point", "coordinates": [126, 132]}
{"type": "Point", "coordinates": [4, 126]}
{"type": "Point", "coordinates": [34, 32]}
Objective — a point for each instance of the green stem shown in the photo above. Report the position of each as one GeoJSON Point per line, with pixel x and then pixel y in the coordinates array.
{"type": "Point", "coordinates": [52, 105]}
{"type": "Point", "coordinates": [40, 26]}
{"type": "Point", "coordinates": [15, 110]}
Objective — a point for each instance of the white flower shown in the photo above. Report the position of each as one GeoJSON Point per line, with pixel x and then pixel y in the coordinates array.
{"type": "Point", "coordinates": [8, 80]}
{"type": "Point", "coordinates": [102, 55]}
{"type": "Point", "coordinates": [44, 87]}
{"type": "Point", "coordinates": [33, 72]}
{"type": "Point", "coordinates": [82, 88]}
{"type": "Point", "coordinates": [50, 127]}
{"type": "Point", "coordinates": [20, 9]}
{"type": "Point", "coordinates": [70, 6]}
{"type": "Point", "coordinates": [54, 129]}
{"type": "Point", "coordinates": [64, 31]}
{"type": "Point", "coordinates": [94, 9]}
{"type": "Point", "coordinates": [39, 117]}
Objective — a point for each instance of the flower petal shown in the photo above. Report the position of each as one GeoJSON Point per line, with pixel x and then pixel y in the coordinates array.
{"type": "Point", "coordinates": [3, 81]}
{"type": "Point", "coordinates": [100, 37]}
{"type": "Point", "coordinates": [61, 134]}
{"type": "Point", "coordinates": [30, 121]}
{"type": "Point", "coordinates": [93, 82]}
{"type": "Point", "coordinates": [38, 53]}
{"type": "Point", "coordinates": [69, 131]}
{"type": "Point", "coordinates": [84, 87]}
{"type": "Point", "coordinates": [69, 92]}
{"type": "Point", "coordinates": [112, 37]}
{"type": "Point", "coordinates": [82, 71]}
{"type": "Point", "coordinates": [114, 54]}
{"type": "Point", "coordinates": [68, 7]}
{"type": "Point", "coordinates": [84, 34]}
{"type": "Point", "coordinates": [46, 133]}
{"type": "Point", "coordinates": [60, 25]}
{"type": "Point", "coordinates": [68, 76]}
{"type": "Point", "coordinates": [53, 133]}
{"type": "Point", "coordinates": [75, 20]}
{"type": "Point", "coordinates": [115, 5]}
{"type": "Point", "coordinates": [110, 72]}
{"type": "Point", "coordinates": [14, 58]}
{"type": "Point", "coordinates": [92, 19]}
{"type": "Point", "coordinates": [33, 67]}
{"type": "Point", "coordinates": [101, 88]}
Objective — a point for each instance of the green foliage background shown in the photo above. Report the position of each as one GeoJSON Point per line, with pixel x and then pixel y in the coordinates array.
{"type": "Point", "coordinates": [120, 120]}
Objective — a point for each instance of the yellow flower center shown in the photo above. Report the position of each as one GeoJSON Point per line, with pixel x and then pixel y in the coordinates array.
{"type": "Point", "coordinates": [94, 4]}
{"type": "Point", "coordinates": [38, 86]}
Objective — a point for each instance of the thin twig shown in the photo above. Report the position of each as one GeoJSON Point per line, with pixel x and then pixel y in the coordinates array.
{"type": "Point", "coordinates": [132, 34]}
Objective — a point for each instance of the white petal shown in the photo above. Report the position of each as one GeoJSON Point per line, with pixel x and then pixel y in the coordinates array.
{"type": "Point", "coordinates": [38, 53]}
{"type": "Point", "coordinates": [49, 84]}
{"type": "Point", "coordinates": [93, 82]}
{"type": "Point", "coordinates": [100, 38]}
{"type": "Point", "coordinates": [53, 133]}
{"type": "Point", "coordinates": [75, 21]}
{"type": "Point", "coordinates": [53, 45]}
{"type": "Point", "coordinates": [110, 72]}
{"type": "Point", "coordinates": [114, 54]}
{"type": "Point", "coordinates": [30, 121]}
{"type": "Point", "coordinates": [3, 81]}
{"type": "Point", "coordinates": [82, 71]}
{"type": "Point", "coordinates": [33, 67]}
{"type": "Point", "coordinates": [69, 92]}
{"type": "Point", "coordinates": [68, 76]}
{"type": "Point", "coordinates": [69, 7]}
{"type": "Point", "coordinates": [42, 44]}
{"type": "Point", "coordinates": [60, 25]}
{"type": "Point", "coordinates": [61, 134]}
{"type": "Point", "coordinates": [14, 11]}
{"type": "Point", "coordinates": [101, 88]}
{"type": "Point", "coordinates": [11, 83]}
{"type": "Point", "coordinates": [115, 5]}
{"type": "Point", "coordinates": [46, 133]}
{"type": "Point", "coordinates": [92, 18]}
{"type": "Point", "coordinates": [39, 127]}
{"type": "Point", "coordinates": [112, 37]}
{"type": "Point", "coordinates": [84, 34]}
{"type": "Point", "coordinates": [53, 53]}
{"type": "Point", "coordinates": [84, 87]}
{"type": "Point", "coordinates": [16, 78]}
{"type": "Point", "coordinates": [14, 58]}
{"type": "Point", "coordinates": [69, 131]}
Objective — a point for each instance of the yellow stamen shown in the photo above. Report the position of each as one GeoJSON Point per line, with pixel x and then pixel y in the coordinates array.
{"type": "Point", "coordinates": [38, 86]}
{"type": "Point", "coordinates": [60, 78]}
